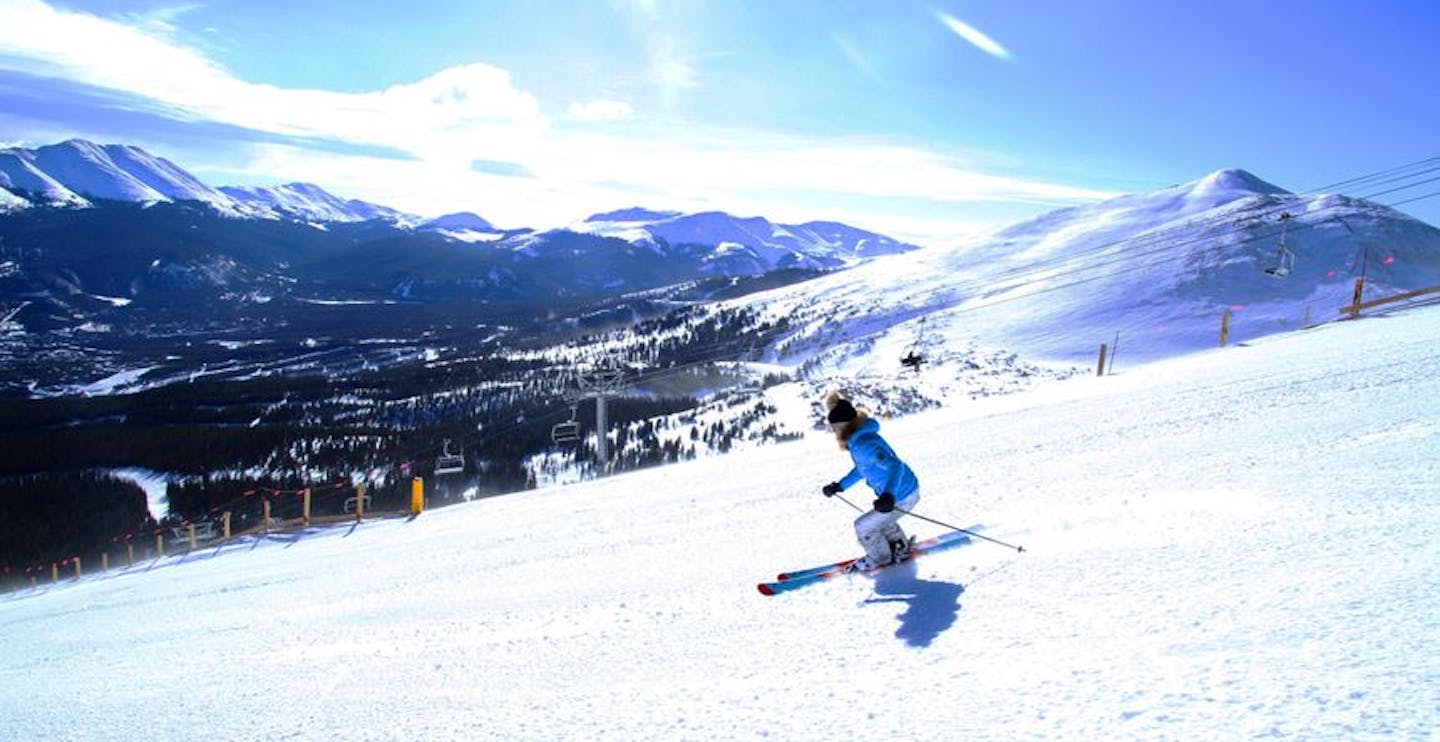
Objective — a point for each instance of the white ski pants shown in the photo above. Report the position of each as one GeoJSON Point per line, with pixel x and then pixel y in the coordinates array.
{"type": "Point", "coordinates": [876, 530]}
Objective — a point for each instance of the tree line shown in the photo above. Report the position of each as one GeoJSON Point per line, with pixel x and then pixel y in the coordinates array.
{"type": "Point", "coordinates": [228, 445]}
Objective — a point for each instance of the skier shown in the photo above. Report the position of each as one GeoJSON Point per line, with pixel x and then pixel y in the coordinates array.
{"type": "Point", "coordinates": [877, 530]}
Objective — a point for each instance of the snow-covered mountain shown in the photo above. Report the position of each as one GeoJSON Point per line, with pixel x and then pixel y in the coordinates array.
{"type": "Point", "coordinates": [74, 171]}
{"type": "Point", "coordinates": [1159, 270]}
{"type": "Point", "coordinates": [311, 203]}
{"type": "Point", "coordinates": [745, 245]}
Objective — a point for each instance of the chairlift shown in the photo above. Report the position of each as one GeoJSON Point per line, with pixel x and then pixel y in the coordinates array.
{"type": "Point", "coordinates": [913, 359]}
{"type": "Point", "coordinates": [449, 463]}
{"type": "Point", "coordinates": [1284, 259]}
{"type": "Point", "coordinates": [568, 431]}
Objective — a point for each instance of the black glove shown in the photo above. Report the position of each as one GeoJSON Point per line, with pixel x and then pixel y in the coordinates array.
{"type": "Point", "coordinates": [885, 503]}
{"type": "Point", "coordinates": [831, 489]}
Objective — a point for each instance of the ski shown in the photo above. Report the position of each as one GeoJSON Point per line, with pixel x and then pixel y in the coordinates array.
{"type": "Point", "coordinates": [930, 544]}
{"type": "Point", "coordinates": [803, 573]}
{"type": "Point", "coordinates": [789, 581]}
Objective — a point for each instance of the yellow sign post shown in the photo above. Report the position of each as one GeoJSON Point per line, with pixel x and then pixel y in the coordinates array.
{"type": "Point", "coordinates": [417, 496]}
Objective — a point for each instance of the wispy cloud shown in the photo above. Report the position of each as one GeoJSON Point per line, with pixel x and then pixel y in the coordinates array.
{"type": "Point", "coordinates": [973, 35]}
{"type": "Point", "coordinates": [473, 108]}
{"type": "Point", "coordinates": [161, 20]}
{"type": "Point", "coordinates": [738, 161]}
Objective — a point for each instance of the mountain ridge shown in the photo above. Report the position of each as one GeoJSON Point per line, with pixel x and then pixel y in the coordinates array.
{"type": "Point", "coordinates": [309, 202]}
{"type": "Point", "coordinates": [75, 171]}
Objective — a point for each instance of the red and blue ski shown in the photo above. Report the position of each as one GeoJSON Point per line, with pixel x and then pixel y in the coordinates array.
{"type": "Point", "coordinates": [788, 581]}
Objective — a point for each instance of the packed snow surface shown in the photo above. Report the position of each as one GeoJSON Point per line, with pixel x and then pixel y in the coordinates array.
{"type": "Point", "coordinates": [1243, 542]}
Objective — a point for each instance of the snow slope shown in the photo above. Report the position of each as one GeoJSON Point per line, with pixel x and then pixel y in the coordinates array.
{"type": "Point", "coordinates": [18, 171]}
{"type": "Point", "coordinates": [1238, 543]}
{"type": "Point", "coordinates": [10, 201]}
{"type": "Point", "coordinates": [1159, 269]}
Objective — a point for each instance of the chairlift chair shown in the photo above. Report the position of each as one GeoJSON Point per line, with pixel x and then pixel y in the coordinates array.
{"type": "Point", "coordinates": [566, 432]}
{"type": "Point", "coordinates": [449, 463]}
{"type": "Point", "coordinates": [1284, 262]}
{"type": "Point", "coordinates": [913, 359]}
{"type": "Point", "coordinates": [1284, 259]}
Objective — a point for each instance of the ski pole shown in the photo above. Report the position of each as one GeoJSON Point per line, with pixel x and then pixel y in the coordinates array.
{"type": "Point", "coordinates": [938, 523]}
{"type": "Point", "coordinates": [962, 530]}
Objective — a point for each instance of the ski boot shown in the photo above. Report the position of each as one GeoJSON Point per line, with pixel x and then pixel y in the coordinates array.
{"type": "Point", "coordinates": [900, 550]}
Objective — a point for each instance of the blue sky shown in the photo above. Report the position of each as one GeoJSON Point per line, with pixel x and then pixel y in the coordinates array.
{"type": "Point", "coordinates": [924, 120]}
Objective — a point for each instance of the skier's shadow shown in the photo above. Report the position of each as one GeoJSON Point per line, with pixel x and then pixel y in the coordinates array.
{"type": "Point", "coordinates": [932, 607]}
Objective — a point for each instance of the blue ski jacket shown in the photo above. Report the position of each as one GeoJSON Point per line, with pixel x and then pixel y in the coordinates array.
{"type": "Point", "coordinates": [877, 463]}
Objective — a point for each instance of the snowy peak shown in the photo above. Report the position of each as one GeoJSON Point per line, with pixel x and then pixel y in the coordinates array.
{"type": "Point", "coordinates": [310, 202]}
{"type": "Point", "coordinates": [862, 243]}
{"type": "Point", "coordinates": [89, 170]}
{"type": "Point", "coordinates": [462, 220]}
{"type": "Point", "coordinates": [745, 244]}
{"type": "Point", "coordinates": [1231, 184]}
{"type": "Point", "coordinates": [713, 227]}
{"type": "Point", "coordinates": [636, 214]}
{"type": "Point", "coordinates": [74, 170]}
{"type": "Point", "coordinates": [1124, 217]}
{"type": "Point", "coordinates": [18, 172]}
{"type": "Point", "coordinates": [465, 226]}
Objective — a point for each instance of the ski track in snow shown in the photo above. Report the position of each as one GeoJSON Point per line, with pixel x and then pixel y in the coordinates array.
{"type": "Point", "coordinates": [1239, 543]}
